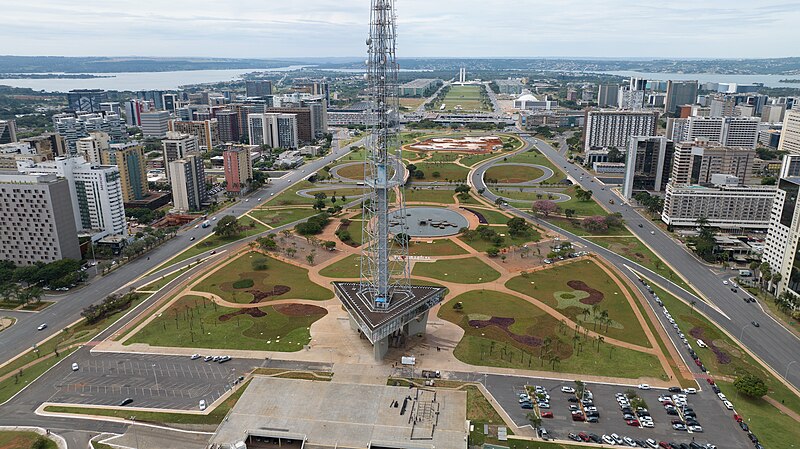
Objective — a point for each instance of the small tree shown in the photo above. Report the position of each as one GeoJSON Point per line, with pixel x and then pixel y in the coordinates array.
{"type": "Point", "coordinates": [492, 252]}
{"type": "Point", "coordinates": [544, 207]}
{"type": "Point", "coordinates": [535, 420]}
{"type": "Point", "coordinates": [751, 386]}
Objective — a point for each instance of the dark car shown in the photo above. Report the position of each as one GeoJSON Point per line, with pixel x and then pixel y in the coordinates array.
{"type": "Point", "coordinates": [675, 389]}
{"type": "Point", "coordinates": [752, 437]}
{"type": "Point", "coordinates": [593, 419]}
{"type": "Point", "coordinates": [744, 426]}
{"type": "Point", "coordinates": [595, 437]}
{"type": "Point", "coordinates": [715, 389]}
{"type": "Point", "coordinates": [572, 399]}
{"type": "Point", "coordinates": [125, 402]}
{"type": "Point", "coordinates": [755, 323]}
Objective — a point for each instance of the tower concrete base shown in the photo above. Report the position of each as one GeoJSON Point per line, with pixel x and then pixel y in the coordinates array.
{"type": "Point", "coordinates": [418, 325]}
{"type": "Point", "coordinates": [380, 348]}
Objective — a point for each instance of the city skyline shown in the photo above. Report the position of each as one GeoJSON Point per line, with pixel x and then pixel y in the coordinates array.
{"type": "Point", "coordinates": [322, 28]}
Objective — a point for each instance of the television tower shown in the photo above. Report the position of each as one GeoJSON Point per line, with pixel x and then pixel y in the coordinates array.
{"type": "Point", "coordinates": [383, 305]}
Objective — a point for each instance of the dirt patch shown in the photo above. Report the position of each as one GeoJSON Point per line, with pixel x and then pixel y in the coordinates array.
{"type": "Point", "coordinates": [595, 296]}
{"type": "Point", "coordinates": [259, 295]}
{"type": "Point", "coordinates": [504, 324]}
{"type": "Point", "coordinates": [254, 312]}
{"type": "Point", "coordinates": [296, 310]}
{"type": "Point", "coordinates": [718, 347]}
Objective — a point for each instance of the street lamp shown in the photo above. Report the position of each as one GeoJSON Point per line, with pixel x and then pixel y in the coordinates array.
{"type": "Point", "coordinates": [155, 377]}
{"type": "Point", "coordinates": [786, 375]}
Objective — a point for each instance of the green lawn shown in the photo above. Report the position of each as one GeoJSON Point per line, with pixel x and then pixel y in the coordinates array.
{"type": "Point", "coordinates": [194, 322]}
{"type": "Point", "coordinates": [277, 276]}
{"type": "Point", "coordinates": [439, 247]}
{"type": "Point", "coordinates": [513, 174]}
{"type": "Point", "coordinates": [632, 248]}
{"type": "Point", "coordinates": [159, 284]}
{"type": "Point", "coordinates": [492, 216]}
{"type": "Point", "coordinates": [424, 195]}
{"type": "Point", "coordinates": [574, 226]}
{"type": "Point", "coordinates": [215, 417]}
{"type": "Point", "coordinates": [214, 241]}
{"type": "Point", "coordinates": [468, 97]}
{"type": "Point", "coordinates": [533, 156]}
{"type": "Point", "coordinates": [484, 245]}
{"type": "Point", "coordinates": [773, 428]}
{"type": "Point", "coordinates": [550, 287]}
{"type": "Point", "coordinates": [729, 358]}
{"type": "Point", "coordinates": [480, 412]}
{"type": "Point", "coordinates": [473, 159]}
{"type": "Point", "coordinates": [505, 331]}
{"type": "Point", "coordinates": [290, 196]}
{"type": "Point", "coordinates": [279, 217]}
{"type": "Point", "coordinates": [447, 172]}
{"type": "Point", "coordinates": [347, 268]}
{"type": "Point", "coordinates": [23, 440]}
{"type": "Point", "coordinates": [525, 200]}
{"type": "Point", "coordinates": [470, 270]}
{"type": "Point", "coordinates": [352, 172]}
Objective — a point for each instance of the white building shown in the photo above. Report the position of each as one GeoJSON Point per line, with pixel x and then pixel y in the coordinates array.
{"type": "Point", "coordinates": [724, 206]}
{"type": "Point", "coordinates": [96, 192]}
{"type": "Point", "coordinates": [273, 129]}
{"type": "Point", "coordinates": [632, 100]}
{"type": "Point", "coordinates": [177, 146]}
{"type": "Point", "coordinates": [529, 102]}
{"type": "Point", "coordinates": [780, 248]}
{"type": "Point", "coordinates": [606, 128]}
{"type": "Point", "coordinates": [155, 123]}
{"type": "Point", "coordinates": [739, 132]}
{"type": "Point", "coordinates": [790, 135]}
{"type": "Point", "coordinates": [73, 127]}
{"type": "Point", "coordinates": [92, 147]}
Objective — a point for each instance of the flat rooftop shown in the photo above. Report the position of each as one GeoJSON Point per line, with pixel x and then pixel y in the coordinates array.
{"type": "Point", "coordinates": [331, 414]}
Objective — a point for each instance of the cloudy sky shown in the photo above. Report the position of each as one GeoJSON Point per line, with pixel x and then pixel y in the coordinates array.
{"type": "Point", "coordinates": [459, 28]}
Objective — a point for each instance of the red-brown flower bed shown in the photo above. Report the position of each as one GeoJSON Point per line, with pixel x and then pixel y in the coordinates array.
{"type": "Point", "coordinates": [595, 296]}
{"type": "Point", "coordinates": [299, 309]}
{"type": "Point", "coordinates": [504, 324]}
{"type": "Point", "coordinates": [277, 291]}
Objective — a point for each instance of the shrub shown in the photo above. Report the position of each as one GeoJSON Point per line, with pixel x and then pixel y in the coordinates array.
{"type": "Point", "coordinates": [244, 283]}
{"type": "Point", "coordinates": [314, 225]}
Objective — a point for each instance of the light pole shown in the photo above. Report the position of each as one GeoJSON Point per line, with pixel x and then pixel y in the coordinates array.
{"type": "Point", "coordinates": [155, 377]}
{"type": "Point", "coordinates": [786, 375]}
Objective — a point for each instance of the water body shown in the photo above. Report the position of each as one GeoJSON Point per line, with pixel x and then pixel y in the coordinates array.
{"type": "Point", "coordinates": [767, 80]}
{"type": "Point", "coordinates": [139, 80]}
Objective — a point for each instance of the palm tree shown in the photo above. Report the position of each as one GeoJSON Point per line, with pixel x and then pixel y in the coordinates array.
{"type": "Point", "coordinates": [575, 340]}
{"type": "Point", "coordinates": [534, 419]}
{"type": "Point", "coordinates": [554, 359]}
{"type": "Point", "coordinates": [692, 303]}
{"type": "Point", "coordinates": [600, 339]}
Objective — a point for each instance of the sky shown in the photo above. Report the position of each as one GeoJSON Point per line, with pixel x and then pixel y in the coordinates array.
{"type": "Point", "coordinates": [426, 28]}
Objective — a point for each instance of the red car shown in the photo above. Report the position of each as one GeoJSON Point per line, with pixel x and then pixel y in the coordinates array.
{"type": "Point", "coordinates": [584, 437]}
{"type": "Point", "coordinates": [737, 418]}
{"type": "Point", "coordinates": [663, 445]}
{"type": "Point", "coordinates": [632, 422]}
{"type": "Point", "coordinates": [698, 362]}
{"type": "Point", "coordinates": [710, 381]}
{"type": "Point", "coordinates": [547, 414]}
{"type": "Point", "coordinates": [576, 418]}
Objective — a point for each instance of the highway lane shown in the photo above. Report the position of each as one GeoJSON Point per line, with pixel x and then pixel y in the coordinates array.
{"type": "Point", "coordinates": [23, 334]}
{"type": "Point", "coordinates": [774, 344]}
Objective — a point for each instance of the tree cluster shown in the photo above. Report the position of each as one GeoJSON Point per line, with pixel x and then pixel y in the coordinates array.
{"type": "Point", "coordinates": [228, 227]}
{"type": "Point", "coordinates": [653, 203]}
{"type": "Point", "coordinates": [600, 223]}
{"type": "Point", "coordinates": [750, 385]}
{"type": "Point", "coordinates": [56, 274]}
{"type": "Point", "coordinates": [313, 225]}
{"type": "Point", "coordinates": [109, 306]}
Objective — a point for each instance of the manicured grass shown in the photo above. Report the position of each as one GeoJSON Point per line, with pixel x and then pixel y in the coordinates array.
{"type": "Point", "coordinates": [444, 156]}
{"type": "Point", "coordinates": [480, 412]}
{"type": "Point", "coordinates": [473, 159]}
{"type": "Point", "coordinates": [352, 172]}
{"type": "Point", "coordinates": [522, 345]}
{"type": "Point", "coordinates": [731, 359]}
{"type": "Point", "coordinates": [22, 440]}
{"type": "Point", "coordinates": [347, 268]}
{"type": "Point", "coordinates": [412, 103]}
{"type": "Point", "coordinates": [574, 226]}
{"type": "Point", "coordinates": [290, 196]}
{"type": "Point", "coordinates": [214, 241]}
{"type": "Point", "coordinates": [215, 417]}
{"type": "Point", "coordinates": [439, 247]}
{"type": "Point", "coordinates": [492, 216]}
{"type": "Point", "coordinates": [484, 245]}
{"type": "Point", "coordinates": [468, 97]}
{"type": "Point", "coordinates": [97, 445]}
{"type": "Point", "coordinates": [533, 156]}
{"type": "Point", "coordinates": [159, 284]}
{"type": "Point", "coordinates": [277, 275]}
{"type": "Point", "coordinates": [195, 322]}
{"type": "Point", "coordinates": [429, 196]}
{"type": "Point", "coordinates": [513, 174]}
{"type": "Point", "coordinates": [447, 172]}
{"type": "Point", "coordinates": [582, 208]}
{"type": "Point", "coordinates": [632, 248]}
{"type": "Point", "coordinates": [550, 287]}
{"type": "Point", "coordinates": [470, 270]}
{"type": "Point", "coordinates": [279, 217]}
{"type": "Point", "coordinates": [773, 428]}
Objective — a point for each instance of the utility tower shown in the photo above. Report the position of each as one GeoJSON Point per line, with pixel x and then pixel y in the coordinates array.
{"type": "Point", "coordinates": [383, 305]}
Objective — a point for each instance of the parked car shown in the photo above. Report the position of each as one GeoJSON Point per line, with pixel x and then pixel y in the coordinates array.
{"type": "Point", "coordinates": [202, 404]}
{"type": "Point", "coordinates": [547, 414]}
{"type": "Point", "coordinates": [567, 389]}
{"type": "Point", "coordinates": [75, 367]}
{"type": "Point", "coordinates": [727, 405]}
{"type": "Point", "coordinates": [125, 402]}
{"type": "Point", "coordinates": [195, 356]}
{"type": "Point", "coordinates": [644, 386]}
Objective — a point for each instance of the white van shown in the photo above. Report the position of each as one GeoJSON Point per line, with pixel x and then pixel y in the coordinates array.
{"type": "Point", "coordinates": [701, 343]}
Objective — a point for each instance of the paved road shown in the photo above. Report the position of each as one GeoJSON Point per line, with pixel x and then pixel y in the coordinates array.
{"type": "Point", "coordinates": [773, 343]}
{"type": "Point", "coordinates": [64, 312]}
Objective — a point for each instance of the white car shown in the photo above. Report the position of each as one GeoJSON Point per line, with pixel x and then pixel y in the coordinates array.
{"type": "Point", "coordinates": [42, 327]}
{"type": "Point", "coordinates": [629, 441]}
{"type": "Point", "coordinates": [652, 443]}
{"type": "Point", "coordinates": [202, 404]}
{"type": "Point", "coordinates": [647, 424]}
{"type": "Point", "coordinates": [701, 343]}
{"type": "Point", "coordinates": [567, 390]}
{"type": "Point", "coordinates": [247, 200]}
{"type": "Point", "coordinates": [698, 429]}
{"type": "Point", "coordinates": [722, 396]}
{"type": "Point", "coordinates": [724, 282]}
{"type": "Point", "coordinates": [608, 440]}
{"type": "Point", "coordinates": [75, 367]}
{"type": "Point", "coordinates": [690, 391]}
{"type": "Point", "coordinates": [727, 405]}
{"type": "Point", "coordinates": [644, 386]}
{"type": "Point", "coordinates": [617, 438]}
{"type": "Point", "coordinates": [194, 357]}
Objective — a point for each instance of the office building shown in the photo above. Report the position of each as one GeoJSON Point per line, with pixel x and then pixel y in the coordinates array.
{"type": "Point", "coordinates": [96, 192]}
{"type": "Point", "coordinates": [783, 235]}
{"type": "Point", "coordinates": [697, 162]}
{"type": "Point", "coordinates": [273, 130]}
{"type": "Point", "coordinates": [628, 99]}
{"type": "Point", "coordinates": [132, 165]}
{"type": "Point", "coordinates": [206, 131]}
{"type": "Point", "coordinates": [238, 169]}
{"type": "Point", "coordinates": [725, 205]}
{"type": "Point", "coordinates": [790, 135]}
{"type": "Point", "coordinates": [155, 123]}
{"type": "Point", "coordinates": [36, 219]}
{"type": "Point", "coordinates": [49, 145]}
{"type": "Point", "coordinates": [188, 183]}
{"type": "Point", "coordinates": [86, 100]}
{"type": "Point", "coordinates": [511, 86]}
{"type": "Point", "coordinates": [648, 165]}
{"type": "Point", "coordinates": [229, 130]}
{"type": "Point", "coordinates": [311, 121]}
{"type": "Point", "coordinates": [10, 153]}
{"type": "Point", "coordinates": [133, 111]}
{"type": "Point", "coordinates": [170, 102]}
{"type": "Point", "coordinates": [773, 113]}
{"type": "Point", "coordinates": [606, 128]}
{"type": "Point", "coordinates": [425, 87]}
{"type": "Point", "coordinates": [73, 127]}
{"type": "Point", "coordinates": [607, 95]}
{"type": "Point", "coordinates": [728, 131]}
{"type": "Point", "coordinates": [154, 97]}
{"type": "Point", "coordinates": [177, 146]}
{"type": "Point", "coordinates": [8, 131]}
{"type": "Point", "coordinates": [530, 102]}
{"type": "Point", "coordinates": [111, 106]}
{"type": "Point", "coordinates": [91, 147]}
{"type": "Point", "coordinates": [680, 93]}
{"type": "Point", "coordinates": [258, 88]}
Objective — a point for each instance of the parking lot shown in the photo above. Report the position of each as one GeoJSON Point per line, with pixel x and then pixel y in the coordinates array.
{"type": "Point", "coordinates": [152, 381]}
{"type": "Point", "coordinates": [719, 428]}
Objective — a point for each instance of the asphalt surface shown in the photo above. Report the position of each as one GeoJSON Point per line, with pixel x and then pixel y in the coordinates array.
{"type": "Point", "coordinates": [771, 342]}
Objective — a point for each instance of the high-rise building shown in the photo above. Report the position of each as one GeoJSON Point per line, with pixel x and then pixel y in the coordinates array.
{"type": "Point", "coordinates": [783, 235]}
{"type": "Point", "coordinates": [10, 153]}
{"type": "Point", "coordinates": [238, 169]}
{"type": "Point", "coordinates": [92, 146]}
{"type": "Point", "coordinates": [228, 122]}
{"type": "Point", "coordinates": [728, 131]}
{"type": "Point", "coordinates": [73, 127]}
{"type": "Point", "coordinates": [49, 145]}
{"type": "Point", "coordinates": [726, 205]}
{"type": "Point", "coordinates": [606, 129]}
{"type": "Point", "coordinates": [790, 135]}
{"type": "Point", "coordinates": [632, 100]}
{"type": "Point", "coordinates": [680, 93]}
{"type": "Point", "coordinates": [155, 123]}
{"type": "Point", "coordinates": [309, 125]}
{"type": "Point", "coordinates": [132, 165]}
{"type": "Point", "coordinates": [648, 165]}
{"type": "Point", "coordinates": [274, 130]}
{"type": "Point", "coordinates": [8, 131]}
{"type": "Point", "coordinates": [86, 100]}
{"type": "Point", "coordinates": [773, 113]}
{"type": "Point", "coordinates": [258, 88]}
{"type": "Point", "coordinates": [37, 222]}
{"type": "Point", "coordinates": [607, 95]}
{"type": "Point", "coordinates": [206, 131]}
{"type": "Point", "coordinates": [156, 97]}
{"type": "Point", "coordinates": [697, 162]}
{"type": "Point", "coordinates": [96, 193]}
{"type": "Point", "coordinates": [133, 111]}
{"type": "Point", "coordinates": [170, 102]}
{"type": "Point", "coordinates": [188, 183]}
{"type": "Point", "coordinates": [177, 146]}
